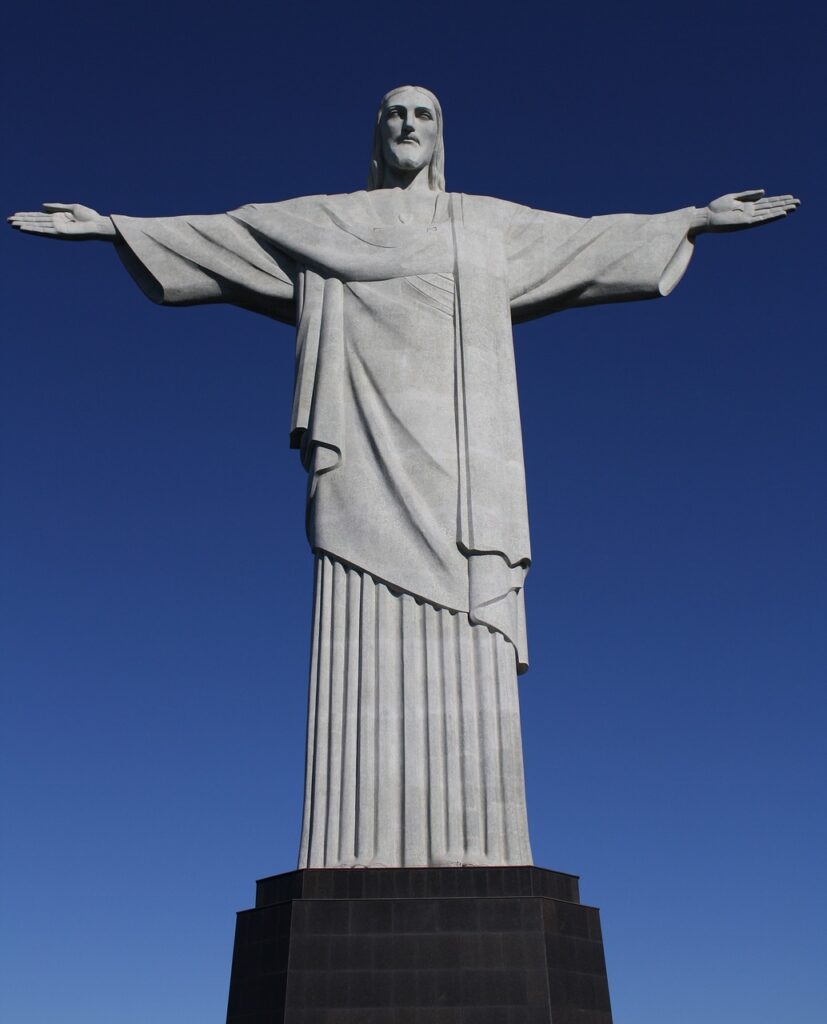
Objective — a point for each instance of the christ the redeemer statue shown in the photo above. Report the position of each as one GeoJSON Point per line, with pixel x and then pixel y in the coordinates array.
{"type": "Point", "coordinates": [406, 417]}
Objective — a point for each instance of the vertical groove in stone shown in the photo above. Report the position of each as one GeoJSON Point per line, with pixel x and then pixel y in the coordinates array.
{"type": "Point", "coordinates": [377, 764]}
{"type": "Point", "coordinates": [491, 756]}
{"type": "Point", "coordinates": [310, 748]}
{"type": "Point", "coordinates": [452, 708]}
{"type": "Point", "coordinates": [498, 682]}
{"type": "Point", "coordinates": [348, 806]}
{"type": "Point", "coordinates": [337, 794]}
{"type": "Point", "coordinates": [517, 819]}
{"type": "Point", "coordinates": [366, 759]}
{"type": "Point", "coordinates": [472, 769]}
{"type": "Point", "coordinates": [414, 710]}
{"type": "Point", "coordinates": [356, 796]}
{"type": "Point", "coordinates": [389, 725]}
{"type": "Point", "coordinates": [322, 723]}
{"type": "Point", "coordinates": [436, 759]}
{"type": "Point", "coordinates": [482, 691]}
{"type": "Point", "coordinates": [404, 671]}
{"type": "Point", "coordinates": [337, 642]}
{"type": "Point", "coordinates": [442, 712]}
{"type": "Point", "coordinates": [414, 755]}
{"type": "Point", "coordinates": [463, 789]}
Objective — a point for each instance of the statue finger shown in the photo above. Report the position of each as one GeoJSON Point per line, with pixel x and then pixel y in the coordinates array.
{"type": "Point", "coordinates": [749, 196]}
{"type": "Point", "coordinates": [785, 200]}
{"type": "Point", "coordinates": [773, 201]}
{"type": "Point", "coordinates": [787, 205]}
{"type": "Point", "coordinates": [59, 207]}
{"type": "Point", "coordinates": [36, 229]}
{"type": "Point", "coordinates": [35, 217]}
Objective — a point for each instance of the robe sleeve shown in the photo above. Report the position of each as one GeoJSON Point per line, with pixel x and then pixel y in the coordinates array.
{"type": "Point", "coordinates": [557, 262]}
{"type": "Point", "coordinates": [184, 261]}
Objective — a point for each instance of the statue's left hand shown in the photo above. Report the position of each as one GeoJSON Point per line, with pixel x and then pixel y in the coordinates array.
{"type": "Point", "coordinates": [739, 210]}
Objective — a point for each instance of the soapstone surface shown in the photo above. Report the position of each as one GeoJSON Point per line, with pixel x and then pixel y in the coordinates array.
{"type": "Point", "coordinates": [406, 418]}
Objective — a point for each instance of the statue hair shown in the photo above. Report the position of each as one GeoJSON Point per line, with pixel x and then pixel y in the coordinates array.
{"type": "Point", "coordinates": [436, 168]}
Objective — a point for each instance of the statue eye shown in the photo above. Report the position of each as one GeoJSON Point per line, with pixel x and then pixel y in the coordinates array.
{"type": "Point", "coordinates": [426, 114]}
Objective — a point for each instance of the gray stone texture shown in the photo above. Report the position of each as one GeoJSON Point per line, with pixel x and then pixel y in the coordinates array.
{"type": "Point", "coordinates": [406, 418]}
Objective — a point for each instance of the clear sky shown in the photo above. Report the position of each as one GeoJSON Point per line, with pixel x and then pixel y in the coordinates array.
{"type": "Point", "coordinates": [156, 579]}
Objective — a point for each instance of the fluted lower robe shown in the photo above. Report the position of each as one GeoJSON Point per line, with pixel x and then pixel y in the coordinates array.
{"type": "Point", "coordinates": [413, 741]}
{"type": "Point", "coordinates": [407, 418]}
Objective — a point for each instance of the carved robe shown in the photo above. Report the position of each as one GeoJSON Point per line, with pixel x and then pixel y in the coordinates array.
{"type": "Point", "coordinates": [406, 416]}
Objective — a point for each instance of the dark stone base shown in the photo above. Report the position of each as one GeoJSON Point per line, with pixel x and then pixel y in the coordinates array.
{"type": "Point", "coordinates": [419, 946]}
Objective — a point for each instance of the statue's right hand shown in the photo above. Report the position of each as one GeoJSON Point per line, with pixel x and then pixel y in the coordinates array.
{"type": "Point", "coordinates": [69, 221]}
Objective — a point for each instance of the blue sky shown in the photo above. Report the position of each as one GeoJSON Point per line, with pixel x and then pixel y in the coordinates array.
{"type": "Point", "coordinates": [156, 581]}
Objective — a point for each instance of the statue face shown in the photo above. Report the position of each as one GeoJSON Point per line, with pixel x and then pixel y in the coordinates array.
{"type": "Point", "coordinates": [409, 130]}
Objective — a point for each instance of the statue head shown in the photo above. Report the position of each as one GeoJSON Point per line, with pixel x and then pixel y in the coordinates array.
{"type": "Point", "coordinates": [408, 136]}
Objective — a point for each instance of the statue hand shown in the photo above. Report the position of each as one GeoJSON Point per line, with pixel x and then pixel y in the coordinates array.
{"type": "Point", "coordinates": [740, 210]}
{"type": "Point", "coordinates": [68, 221]}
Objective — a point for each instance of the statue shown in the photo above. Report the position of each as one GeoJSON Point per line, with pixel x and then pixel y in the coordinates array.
{"type": "Point", "coordinates": [405, 415]}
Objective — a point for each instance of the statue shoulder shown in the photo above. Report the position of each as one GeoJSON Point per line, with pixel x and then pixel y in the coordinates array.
{"type": "Point", "coordinates": [292, 205]}
{"type": "Point", "coordinates": [307, 207]}
{"type": "Point", "coordinates": [489, 210]}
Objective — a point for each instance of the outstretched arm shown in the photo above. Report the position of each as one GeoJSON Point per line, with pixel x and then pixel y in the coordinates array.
{"type": "Point", "coordinates": [557, 262]}
{"type": "Point", "coordinates": [70, 222]}
{"type": "Point", "coordinates": [739, 210]}
{"type": "Point", "coordinates": [181, 261]}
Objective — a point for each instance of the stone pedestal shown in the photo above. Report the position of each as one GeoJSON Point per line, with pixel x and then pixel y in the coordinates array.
{"type": "Point", "coordinates": [509, 945]}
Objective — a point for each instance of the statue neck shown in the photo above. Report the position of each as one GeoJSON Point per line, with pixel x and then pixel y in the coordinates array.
{"type": "Point", "coordinates": [411, 181]}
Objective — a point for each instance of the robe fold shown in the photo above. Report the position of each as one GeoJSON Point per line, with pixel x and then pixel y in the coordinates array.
{"type": "Point", "coordinates": [405, 408]}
